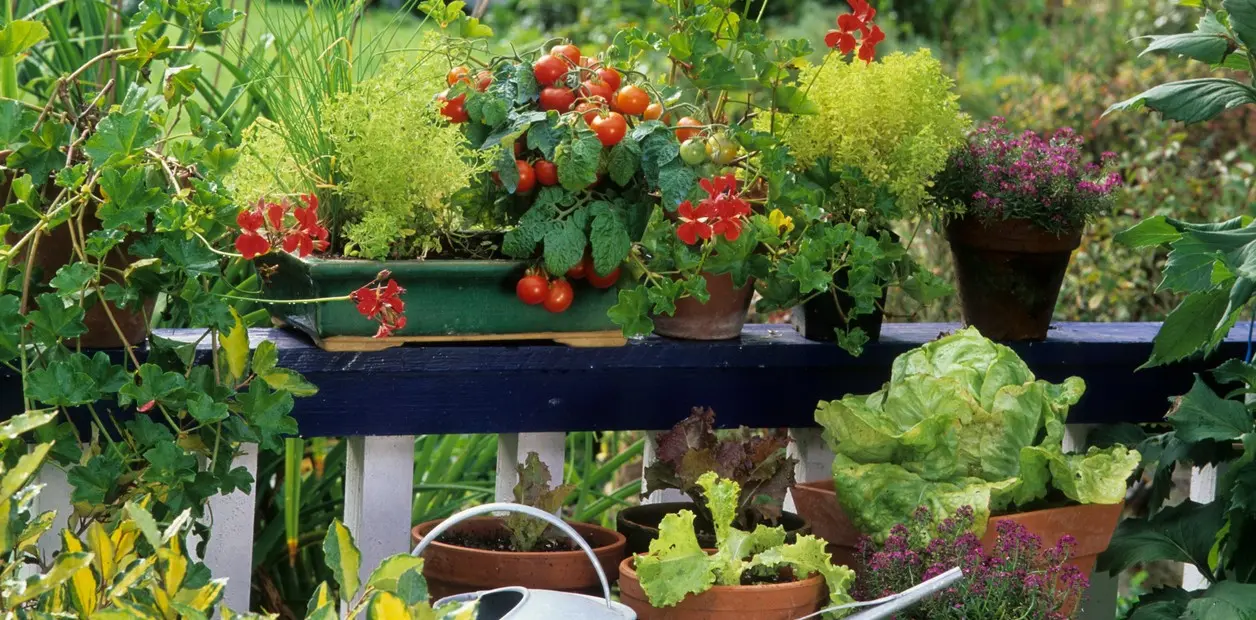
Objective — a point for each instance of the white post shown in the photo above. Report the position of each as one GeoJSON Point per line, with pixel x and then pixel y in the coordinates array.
{"type": "Point", "coordinates": [815, 459]}
{"type": "Point", "coordinates": [647, 457]}
{"type": "Point", "coordinates": [513, 449]}
{"type": "Point", "coordinates": [230, 550]}
{"type": "Point", "coordinates": [379, 494]}
{"type": "Point", "coordinates": [1101, 597]}
{"type": "Point", "coordinates": [1204, 491]}
{"type": "Point", "coordinates": [54, 496]}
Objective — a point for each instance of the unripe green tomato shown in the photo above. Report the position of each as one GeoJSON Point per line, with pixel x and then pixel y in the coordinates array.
{"type": "Point", "coordinates": [693, 152]}
{"type": "Point", "coordinates": [721, 150]}
{"type": "Point", "coordinates": [708, 170]}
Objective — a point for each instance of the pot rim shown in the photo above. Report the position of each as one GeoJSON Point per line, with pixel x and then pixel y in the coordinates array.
{"type": "Point", "coordinates": [621, 541]}
{"type": "Point", "coordinates": [827, 486]}
{"type": "Point", "coordinates": [627, 570]}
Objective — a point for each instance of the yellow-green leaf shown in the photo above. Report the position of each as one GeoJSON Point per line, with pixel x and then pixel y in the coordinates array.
{"type": "Point", "coordinates": [36, 528]}
{"type": "Point", "coordinates": [130, 578]}
{"type": "Point", "coordinates": [145, 522]}
{"type": "Point", "coordinates": [102, 548]}
{"type": "Point", "coordinates": [236, 345]}
{"type": "Point", "coordinates": [26, 422]}
{"type": "Point", "coordinates": [83, 583]}
{"type": "Point", "coordinates": [20, 35]}
{"type": "Point", "coordinates": [64, 567]}
{"type": "Point", "coordinates": [390, 570]}
{"type": "Point", "coordinates": [321, 598]}
{"type": "Point", "coordinates": [343, 557]}
{"type": "Point", "coordinates": [203, 598]}
{"type": "Point", "coordinates": [16, 478]}
{"type": "Point", "coordinates": [386, 606]}
{"type": "Point", "coordinates": [6, 533]}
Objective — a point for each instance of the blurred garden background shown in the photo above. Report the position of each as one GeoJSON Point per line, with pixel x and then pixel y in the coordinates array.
{"type": "Point", "coordinates": [1041, 64]}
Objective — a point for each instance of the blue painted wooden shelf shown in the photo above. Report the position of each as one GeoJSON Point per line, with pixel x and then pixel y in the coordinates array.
{"type": "Point", "coordinates": [770, 377]}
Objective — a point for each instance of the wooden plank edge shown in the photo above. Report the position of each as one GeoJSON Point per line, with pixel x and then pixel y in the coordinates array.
{"type": "Point", "coordinates": [606, 338]}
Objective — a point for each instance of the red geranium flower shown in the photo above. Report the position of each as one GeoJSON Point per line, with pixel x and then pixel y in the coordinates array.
{"type": "Point", "coordinates": [859, 20]}
{"type": "Point", "coordinates": [308, 235]}
{"type": "Point", "coordinates": [693, 222]}
{"type": "Point", "coordinates": [252, 223]}
{"type": "Point", "coordinates": [263, 227]}
{"type": "Point", "coordinates": [721, 213]}
{"type": "Point", "coordinates": [379, 301]}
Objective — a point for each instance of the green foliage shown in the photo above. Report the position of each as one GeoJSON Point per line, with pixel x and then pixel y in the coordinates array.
{"type": "Point", "coordinates": [533, 489]}
{"type": "Point", "coordinates": [895, 120]}
{"type": "Point", "coordinates": [962, 422]}
{"type": "Point", "coordinates": [395, 589]}
{"type": "Point", "coordinates": [677, 566]}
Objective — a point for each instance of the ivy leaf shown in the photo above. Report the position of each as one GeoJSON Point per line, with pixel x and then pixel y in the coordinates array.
{"type": "Point", "coordinates": [179, 82]}
{"type": "Point", "coordinates": [663, 295]}
{"type": "Point", "coordinates": [56, 320]}
{"type": "Point", "coordinates": [205, 410]}
{"type": "Point", "coordinates": [793, 100]}
{"type": "Point", "coordinates": [118, 136]}
{"type": "Point", "coordinates": [72, 277]}
{"type": "Point", "coordinates": [170, 465]}
{"type": "Point", "coordinates": [266, 413]}
{"type": "Point", "coordinates": [926, 287]}
{"type": "Point", "coordinates": [152, 385]}
{"type": "Point", "coordinates": [42, 152]}
{"type": "Point", "coordinates": [632, 312]}
{"type": "Point", "coordinates": [623, 161]}
{"type": "Point", "coordinates": [59, 384]}
{"type": "Point", "coordinates": [20, 35]}
{"type": "Point", "coordinates": [610, 242]}
{"type": "Point", "coordinates": [1191, 101]}
{"type": "Point", "coordinates": [129, 200]}
{"type": "Point", "coordinates": [1201, 415]}
{"type": "Point", "coordinates": [577, 160]}
{"type": "Point", "coordinates": [564, 246]}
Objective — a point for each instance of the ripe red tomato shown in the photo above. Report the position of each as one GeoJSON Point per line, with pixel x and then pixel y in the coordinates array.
{"type": "Point", "coordinates": [527, 177]}
{"type": "Point", "coordinates": [570, 51]}
{"type": "Point", "coordinates": [578, 272]}
{"type": "Point", "coordinates": [548, 69]}
{"type": "Point", "coordinates": [557, 98]}
{"type": "Point", "coordinates": [610, 129]}
{"type": "Point", "coordinates": [518, 147]}
{"type": "Point", "coordinates": [483, 80]}
{"type": "Point", "coordinates": [597, 89]}
{"type": "Point", "coordinates": [560, 296]}
{"type": "Point", "coordinates": [600, 281]}
{"type": "Point", "coordinates": [632, 100]}
{"type": "Point", "coordinates": [532, 290]}
{"type": "Point", "coordinates": [683, 128]}
{"type": "Point", "coordinates": [458, 74]}
{"type": "Point", "coordinates": [589, 111]}
{"type": "Point", "coordinates": [653, 112]}
{"type": "Point", "coordinates": [611, 77]}
{"type": "Point", "coordinates": [546, 172]}
{"type": "Point", "coordinates": [453, 109]}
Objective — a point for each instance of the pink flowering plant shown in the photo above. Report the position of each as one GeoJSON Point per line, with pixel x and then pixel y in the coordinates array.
{"type": "Point", "coordinates": [1002, 175]}
{"type": "Point", "coordinates": [1018, 578]}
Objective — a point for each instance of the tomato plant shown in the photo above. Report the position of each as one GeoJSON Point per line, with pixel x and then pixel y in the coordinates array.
{"type": "Point", "coordinates": [557, 98]}
{"type": "Point", "coordinates": [458, 74]}
{"type": "Point", "coordinates": [532, 289]}
{"type": "Point", "coordinates": [602, 281]}
{"type": "Point", "coordinates": [687, 127]}
{"type": "Point", "coordinates": [596, 89]}
{"type": "Point", "coordinates": [653, 112]}
{"type": "Point", "coordinates": [568, 51]}
{"type": "Point", "coordinates": [721, 150]}
{"type": "Point", "coordinates": [579, 271]}
{"type": "Point", "coordinates": [693, 152]}
{"type": "Point", "coordinates": [527, 177]}
{"type": "Point", "coordinates": [611, 77]}
{"type": "Point", "coordinates": [453, 109]}
{"type": "Point", "coordinates": [546, 172]}
{"type": "Point", "coordinates": [560, 296]}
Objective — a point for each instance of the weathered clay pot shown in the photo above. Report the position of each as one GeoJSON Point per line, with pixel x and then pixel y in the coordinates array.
{"type": "Point", "coordinates": [1009, 275]}
{"type": "Point", "coordinates": [782, 601]}
{"type": "Point", "coordinates": [640, 525]}
{"type": "Point", "coordinates": [720, 318]}
{"type": "Point", "coordinates": [1091, 524]}
{"type": "Point", "coordinates": [451, 569]}
{"type": "Point", "coordinates": [55, 250]}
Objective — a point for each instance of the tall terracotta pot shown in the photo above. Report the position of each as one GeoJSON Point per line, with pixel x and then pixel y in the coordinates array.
{"type": "Point", "coordinates": [1009, 274]}
{"type": "Point", "coordinates": [54, 250]}
{"type": "Point", "coordinates": [1091, 524]}
{"type": "Point", "coordinates": [780, 601]}
{"type": "Point", "coordinates": [451, 569]}
{"type": "Point", "coordinates": [720, 318]}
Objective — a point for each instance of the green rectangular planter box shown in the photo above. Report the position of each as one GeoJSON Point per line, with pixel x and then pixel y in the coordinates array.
{"type": "Point", "coordinates": [446, 300]}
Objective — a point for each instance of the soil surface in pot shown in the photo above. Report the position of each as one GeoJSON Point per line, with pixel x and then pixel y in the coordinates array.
{"type": "Point", "coordinates": [640, 524]}
{"type": "Point", "coordinates": [500, 542]}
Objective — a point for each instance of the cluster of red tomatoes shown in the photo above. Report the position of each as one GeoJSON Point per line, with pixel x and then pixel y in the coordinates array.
{"type": "Point", "coordinates": [534, 288]}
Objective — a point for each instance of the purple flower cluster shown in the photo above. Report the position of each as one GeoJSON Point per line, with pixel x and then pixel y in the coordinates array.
{"type": "Point", "coordinates": [1000, 175]}
{"type": "Point", "coordinates": [1016, 579]}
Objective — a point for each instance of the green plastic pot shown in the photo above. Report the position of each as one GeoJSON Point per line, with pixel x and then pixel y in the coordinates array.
{"type": "Point", "coordinates": [444, 298]}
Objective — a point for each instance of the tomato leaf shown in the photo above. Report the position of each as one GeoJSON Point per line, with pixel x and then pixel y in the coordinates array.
{"type": "Point", "coordinates": [624, 161]}
{"type": "Point", "coordinates": [609, 240]}
{"type": "Point", "coordinates": [564, 246]}
{"type": "Point", "coordinates": [577, 159]}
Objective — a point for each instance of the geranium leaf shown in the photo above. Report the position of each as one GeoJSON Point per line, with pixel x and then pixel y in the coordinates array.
{"type": "Point", "coordinates": [20, 35]}
{"type": "Point", "coordinates": [118, 136]}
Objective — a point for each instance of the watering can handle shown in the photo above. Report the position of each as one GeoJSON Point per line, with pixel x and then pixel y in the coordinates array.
{"type": "Point", "coordinates": [445, 525]}
{"type": "Point", "coordinates": [889, 605]}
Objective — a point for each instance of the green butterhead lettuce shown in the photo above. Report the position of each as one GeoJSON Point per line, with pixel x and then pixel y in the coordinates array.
{"type": "Point", "coordinates": [962, 421]}
{"type": "Point", "coordinates": [677, 566]}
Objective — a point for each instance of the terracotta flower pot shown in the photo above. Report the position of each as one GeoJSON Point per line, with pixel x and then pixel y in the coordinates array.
{"type": "Point", "coordinates": [451, 569]}
{"type": "Point", "coordinates": [1091, 524]}
{"type": "Point", "coordinates": [55, 250]}
{"type": "Point", "coordinates": [720, 318]}
{"type": "Point", "coordinates": [640, 525]}
{"type": "Point", "coordinates": [1009, 275]}
{"type": "Point", "coordinates": [781, 601]}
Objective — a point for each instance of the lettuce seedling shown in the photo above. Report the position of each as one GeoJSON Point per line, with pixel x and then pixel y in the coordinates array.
{"type": "Point", "coordinates": [533, 490]}
{"type": "Point", "coordinates": [677, 566]}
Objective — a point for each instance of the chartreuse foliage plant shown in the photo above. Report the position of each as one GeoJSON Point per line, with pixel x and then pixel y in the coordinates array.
{"type": "Point", "coordinates": [1212, 265]}
{"type": "Point", "coordinates": [677, 566]}
{"type": "Point", "coordinates": [963, 422]}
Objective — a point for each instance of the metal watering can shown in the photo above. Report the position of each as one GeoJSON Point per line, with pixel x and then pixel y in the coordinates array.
{"type": "Point", "coordinates": [517, 603]}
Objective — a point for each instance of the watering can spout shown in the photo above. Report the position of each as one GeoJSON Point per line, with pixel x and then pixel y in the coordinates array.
{"type": "Point", "coordinates": [515, 603]}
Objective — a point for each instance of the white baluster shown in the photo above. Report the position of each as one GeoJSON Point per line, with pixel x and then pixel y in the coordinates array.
{"type": "Point", "coordinates": [379, 494]}
{"type": "Point", "coordinates": [513, 449]}
{"type": "Point", "coordinates": [230, 550]}
{"type": "Point", "coordinates": [662, 495]}
{"type": "Point", "coordinates": [815, 459]}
